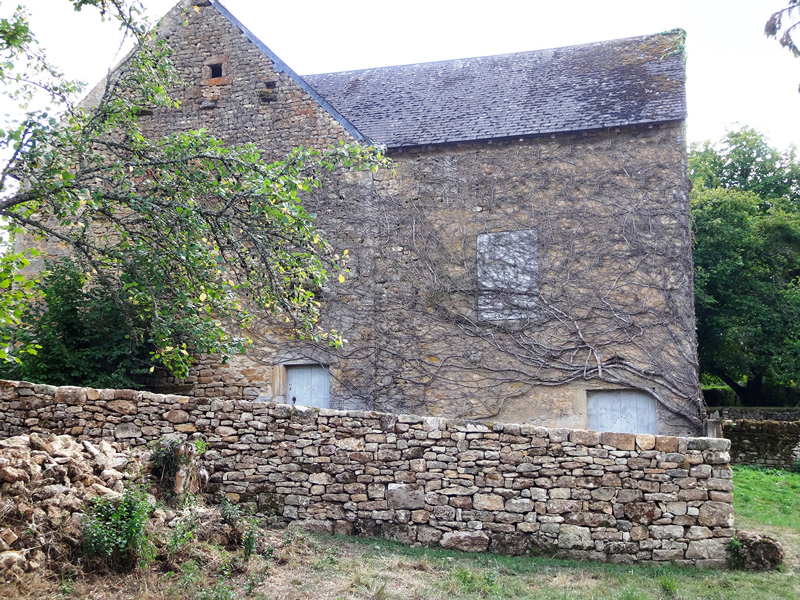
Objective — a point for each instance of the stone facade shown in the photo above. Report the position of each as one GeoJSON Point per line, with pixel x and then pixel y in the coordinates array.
{"type": "Point", "coordinates": [773, 444]}
{"type": "Point", "coordinates": [607, 208]}
{"type": "Point", "coordinates": [501, 487]}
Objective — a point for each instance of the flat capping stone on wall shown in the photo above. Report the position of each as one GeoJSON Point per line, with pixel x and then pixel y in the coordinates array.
{"type": "Point", "coordinates": [472, 486]}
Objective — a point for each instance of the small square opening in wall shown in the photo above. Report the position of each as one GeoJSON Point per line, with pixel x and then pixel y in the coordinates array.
{"type": "Point", "coordinates": [216, 70]}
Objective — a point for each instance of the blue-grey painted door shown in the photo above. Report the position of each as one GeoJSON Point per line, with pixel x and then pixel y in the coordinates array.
{"type": "Point", "coordinates": [622, 411]}
{"type": "Point", "coordinates": [307, 385]}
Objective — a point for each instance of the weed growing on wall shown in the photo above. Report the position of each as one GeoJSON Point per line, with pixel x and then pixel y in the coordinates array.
{"type": "Point", "coordinates": [175, 468]}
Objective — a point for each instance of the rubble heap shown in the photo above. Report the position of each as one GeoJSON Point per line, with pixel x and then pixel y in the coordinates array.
{"type": "Point", "coordinates": [46, 483]}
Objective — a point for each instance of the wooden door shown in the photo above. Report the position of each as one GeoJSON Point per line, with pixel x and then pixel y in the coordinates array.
{"type": "Point", "coordinates": [622, 411]}
{"type": "Point", "coordinates": [307, 385]}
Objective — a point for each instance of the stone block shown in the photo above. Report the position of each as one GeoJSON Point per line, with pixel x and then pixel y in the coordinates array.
{"type": "Point", "coordinates": [180, 416]}
{"type": "Point", "coordinates": [459, 490]}
{"type": "Point", "coordinates": [466, 541]}
{"type": "Point", "coordinates": [716, 458]}
{"type": "Point", "coordinates": [620, 441]}
{"type": "Point", "coordinates": [700, 471]}
{"type": "Point", "coordinates": [125, 431]}
{"type": "Point", "coordinates": [519, 505]}
{"type": "Point", "coordinates": [714, 548]}
{"type": "Point", "coordinates": [716, 444]}
{"type": "Point", "coordinates": [715, 514]}
{"type": "Point", "coordinates": [666, 532]}
{"type": "Point", "coordinates": [353, 444]}
{"type": "Point", "coordinates": [72, 395]}
{"type": "Point", "coordinates": [585, 437]}
{"type": "Point", "coordinates": [123, 407]}
{"type": "Point", "coordinates": [514, 544]}
{"type": "Point", "coordinates": [428, 535]}
{"type": "Point", "coordinates": [488, 502]}
{"type": "Point", "coordinates": [563, 506]}
{"type": "Point", "coordinates": [642, 512]}
{"type": "Point", "coordinates": [405, 496]}
{"type": "Point", "coordinates": [645, 441]}
{"type": "Point", "coordinates": [697, 532]}
{"type": "Point", "coordinates": [558, 435]}
{"type": "Point", "coordinates": [420, 516]}
{"type": "Point", "coordinates": [320, 479]}
{"type": "Point", "coordinates": [667, 555]}
{"type": "Point", "coordinates": [573, 537]}
{"type": "Point", "coordinates": [666, 443]}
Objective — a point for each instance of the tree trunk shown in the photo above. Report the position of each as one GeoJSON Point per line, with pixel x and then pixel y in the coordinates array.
{"type": "Point", "coordinates": [751, 394]}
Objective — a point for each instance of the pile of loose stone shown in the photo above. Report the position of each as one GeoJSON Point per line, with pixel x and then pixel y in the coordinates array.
{"type": "Point", "coordinates": [45, 485]}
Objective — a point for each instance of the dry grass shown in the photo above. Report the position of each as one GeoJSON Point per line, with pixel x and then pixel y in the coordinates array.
{"type": "Point", "coordinates": [298, 566]}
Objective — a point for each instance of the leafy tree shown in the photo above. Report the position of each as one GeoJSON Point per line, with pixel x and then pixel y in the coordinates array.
{"type": "Point", "coordinates": [79, 335]}
{"type": "Point", "coordinates": [744, 160]}
{"type": "Point", "coordinates": [186, 234]}
{"type": "Point", "coordinates": [785, 22]}
{"type": "Point", "coordinates": [746, 219]}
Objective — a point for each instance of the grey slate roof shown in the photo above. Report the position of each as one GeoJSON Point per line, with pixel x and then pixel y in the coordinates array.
{"type": "Point", "coordinates": [576, 88]}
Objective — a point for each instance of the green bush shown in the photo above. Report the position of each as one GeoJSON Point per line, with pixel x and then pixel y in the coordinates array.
{"type": "Point", "coordinates": [230, 512]}
{"type": "Point", "coordinates": [115, 529]}
{"type": "Point", "coordinates": [183, 532]}
{"type": "Point", "coordinates": [774, 395]}
{"type": "Point", "coordinates": [721, 396]}
{"type": "Point", "coordinates": [80, 334]}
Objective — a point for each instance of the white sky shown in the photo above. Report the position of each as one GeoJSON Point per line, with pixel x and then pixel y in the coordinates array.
{"type": "Point", "coordinates": [735, 75]}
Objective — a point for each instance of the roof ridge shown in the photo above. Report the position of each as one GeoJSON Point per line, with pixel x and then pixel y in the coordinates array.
{"type": "Point", "coordinates": [282, 67]}
{"type": "Point", "coordinates": [502, 54]}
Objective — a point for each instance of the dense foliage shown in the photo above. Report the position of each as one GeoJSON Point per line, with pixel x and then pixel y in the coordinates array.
{"type": "Point", "coordinates": [78, 334]}
{"type": "Point", "coordinates": [188, 236]}
{"type": "Point", "coordinates": [746, 216]}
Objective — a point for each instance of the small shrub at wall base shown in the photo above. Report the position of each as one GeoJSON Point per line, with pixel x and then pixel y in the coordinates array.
{"type": "Point", "coordinates": [230, 512]}
{"type": "Point", "coordinates": [114, 529]}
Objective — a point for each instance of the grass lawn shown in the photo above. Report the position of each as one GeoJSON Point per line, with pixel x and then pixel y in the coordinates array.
{"type": "Point", "coordinates": [303, 566]}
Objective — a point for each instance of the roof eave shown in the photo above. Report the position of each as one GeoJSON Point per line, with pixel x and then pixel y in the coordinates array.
{"type": "Point", "coordinates": [534, 134]}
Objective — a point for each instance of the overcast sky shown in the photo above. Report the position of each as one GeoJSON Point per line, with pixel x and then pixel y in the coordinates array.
{"type": "Point", "coordinates": [735, 75]}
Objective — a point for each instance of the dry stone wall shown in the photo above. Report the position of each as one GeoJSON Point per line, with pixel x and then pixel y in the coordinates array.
{"type": "Point", "coordinates": [757, 414]}
{"type": "Point", "coordinates": [764, 443]}
{"type": "Point", "coordinates": [501, 487]}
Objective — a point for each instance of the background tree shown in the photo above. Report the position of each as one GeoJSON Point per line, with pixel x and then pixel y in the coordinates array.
{"type": "Point", "coordinates": [780, 24]}
{"type": "Point", "coordinates": [746, 219]}
{"type": "Point", "coordinates": [185, 234]}
{"type": "Point", "coordinates": [777, 25]}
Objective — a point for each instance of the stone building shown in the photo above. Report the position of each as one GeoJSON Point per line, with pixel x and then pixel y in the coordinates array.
{"type": "Point", "coordinates": [529, 260]}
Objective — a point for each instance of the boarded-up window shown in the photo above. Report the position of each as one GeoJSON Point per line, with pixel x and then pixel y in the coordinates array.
{"type": "Point", "coordinates": [508, 275]}
{"type": "Point", "coordinates": [307, 385]}
{"type": "Point", "coordinates": [622, 411]}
